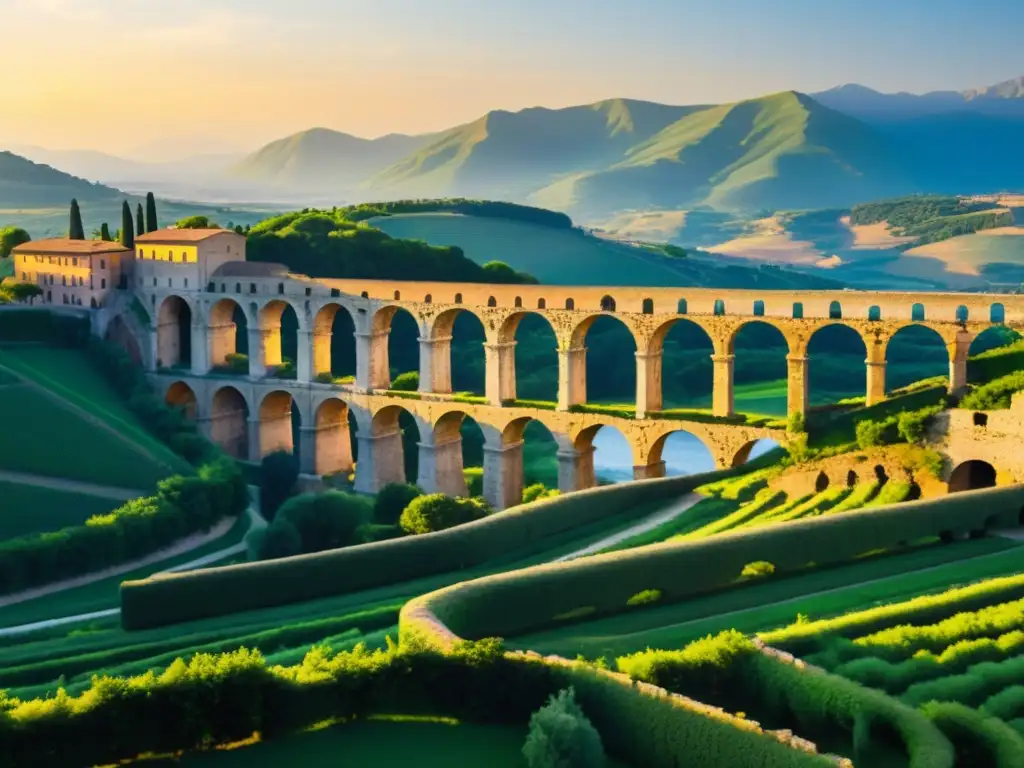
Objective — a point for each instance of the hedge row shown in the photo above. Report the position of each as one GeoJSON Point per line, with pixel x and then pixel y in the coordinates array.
{"type": "Point", "coordinates": [979, 740]}
{"type": "Point", "coordinates": [182, 505]}
{"type": "Point", "coordinates": [217, 591]}
{"type": "Point", "coordinates": [507, 604]}
{"type": "Point", "coordinates": [44, 326]}
{"type": "Point", "coordinates": [801, 637]}
{"type": "Point", "coordinates": [730, 670]}
{"type": "Point", "coordinates": [216, 699]}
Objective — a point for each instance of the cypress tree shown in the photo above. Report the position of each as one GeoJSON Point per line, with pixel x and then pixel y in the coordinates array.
{"type": "Point", "coordinates": [76, 231]}
{"type": "Point", "coordinates": [127, 238]}
{"type": "Point", "coordinates": [151, 225]}
{"type": "Point", "coordinates": [140, 221]}
{"type": "Point", "coordinates": [105, 232]}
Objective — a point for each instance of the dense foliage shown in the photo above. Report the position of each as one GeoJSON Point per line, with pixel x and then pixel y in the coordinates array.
{"type": "Point", "coordinates": [279, 472]}
{"type": "Point", "coordinates": [995, 394]}
{"type": "Point", "coordinates": [391, 501]}
{"type": "Point", "coordinates": [561, 736]}
{"type": "Point", "coordinates": [436, 512]}
{"type": "Point", "coordinates": [326, 243]}
{"type": "Point", "coordinates": [181, 506]}
{"type": "Point", "coordinates": [11, 238]}
{"type": "Point", "coordinates": [931, 218]}
{"type": "Point", "coordinates": [322, 521]}
{"type": "Point", "coordinates": [483, 208]}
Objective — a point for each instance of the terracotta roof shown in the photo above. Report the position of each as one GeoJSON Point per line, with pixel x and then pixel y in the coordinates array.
{"type": "Point", "coordinates": [64, 245]}
{"type": "Point", "coordinates": [181, 235]}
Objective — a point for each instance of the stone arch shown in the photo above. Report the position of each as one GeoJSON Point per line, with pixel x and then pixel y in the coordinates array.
{"type": "Point", "coordinates": [607, 304]}
{"type": "Point", "coordinates": [584, 468]}
{"type": "Point", "coordinates": [765, 344]}
{"type": "Point", "coordinates": [874, 313]}
{"type": "Point", "coordinates": [443, 460]}
{"type": "Point", "coordinates": [679, 342]}
{"type": "Point", "coordinates": [278, 415]}
{"type": "Point", "coordinates": [229, 423]}
{"type": "Point", "coordinates": [917, 312]}
{"type": "Point", "coordinates": [120, 333]}
{"type": "Point", "coordinates": [279, 324]}
{"type": "Point", "coordinates": [835, 311]}
{"type": "Point", "coordinates": [457, 354]}
{"type": "Point", "coordinates": [182, 397]}
{"type": "Point", "coordinates": [599, 343]}
{"type": "Point", "coordinates": [730, 344]}
{"type": "Point", "coordinates": [395, 434]}
{"type": "Point", "coordinates": [524, 453]}
{"type": "Point", "coordinates": [332, 444]}
{"type": "Point", "coordinates": [972, 474]}
{"type": "Point", "coordinates": [223, 330]}
{"type": "Point", "coordinates": [997, 313]}
{"type": "Point", "coordinates": [914, 352]}
{"type": "Point", "coordinates": [826, 384]}
{"type": "Point", "coordinates": [821, 482]}
{"type": "Point", "coordinates": [534, 369]}
{"type": "Point", "coordinates": [678, 452]}
{"type": "Point", "coordinates": [174, 333]}
{"type": "Point", "coordinates": [394, 344]}
{"type": "Point", "coordinates": [991, 337]}
{"type": "Point", "coordinates": [334, 343]}
{"type": "Point", "coordinates": [752, 449]}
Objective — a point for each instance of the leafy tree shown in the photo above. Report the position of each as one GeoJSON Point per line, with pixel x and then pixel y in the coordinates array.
{"type": "Point", "coordinates": [436, 512]}
{"type": "Point", "coordinates": [140, 220]}
{"type": "Point", "coordinates": [11, 238]}
{"type": "Point", "coordinates": [325, 520]}
{"type": "Point", "coordinates": [22, 291]}
{"type": "Point", "coordinates": [280, 540]}
{"type": "Point", "coordinates": [105, 232]}
{"type": "Point", "coordinates": [561, 736]}
{"type": "Point", "coordinates": [75, 229]}
{"type": "Point", "coordinates": [197, 222]}
{"type": "Point", "coordinates": [279, 471]}
{"type": "Point", "coordinates": [151, 223]}
{"type": "Point", "coordinates": [126, 236]}
{"type": "Point", "coordinates": [392, 500]}
{"type": "Point", "coordinates": [406, 382]}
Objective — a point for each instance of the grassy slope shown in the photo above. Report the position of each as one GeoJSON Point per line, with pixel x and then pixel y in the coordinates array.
{"type": "Point", "coordinates": [32, 509]}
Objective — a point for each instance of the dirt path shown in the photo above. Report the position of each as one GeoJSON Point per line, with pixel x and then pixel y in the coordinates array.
{"type": "Point", "coordinates": [669, 512]}
{"type": "Point", "coordinates": [73, 486]}
{"type": "Point", "coordinates": [88, 417]}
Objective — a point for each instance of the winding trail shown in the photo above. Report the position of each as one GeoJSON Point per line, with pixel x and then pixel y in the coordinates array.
{"type": "Point", "coordinates": [673, 510]}
{"type": "Point", "coordinates": [72, 486]}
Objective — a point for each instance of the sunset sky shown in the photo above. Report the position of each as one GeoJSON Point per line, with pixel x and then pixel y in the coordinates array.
{"type": "Point", "coordinates": [213, 75]}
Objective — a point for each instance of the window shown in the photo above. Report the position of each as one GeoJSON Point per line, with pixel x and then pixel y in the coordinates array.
{"type": "Point", "coordinates": [719, 306]}
{"type": "Point", "coordinates": [492, 302]}
{"type": "Point", "coordinates": [63, 280]}
{"type": "Point", "coordinates": [153, 256]}
{"type": "Point", "coordinates": [335, 293]}
{"type": "Point", "coordinates": [681, 307]}
{"type": "Point", "coordinates": [607, 304]}
{"type": "Point", "coordinates": [874, 312]}
{"type": "Point", "coordinates": [917, 313]}
{"type": "Point", "coordinates": [364, 294]}
{"type": "Point", "coordinates": [309, 291]}
{"type": "Point", "coordinates": [961, 314]}
{"type": "Point", "coordinates": [103, 264]}
{"type": "Point", "coordinates": [252, 287]}
{"type": "Point", "coordinates": [519, 301]}
{"type": "Point", "coordinates": [835, 311]}
{"type": "Point", "coordinates": [458, 298]}
{"type": "Point", "coordinates": [981, 419]}
{"type": "Point", "coordinates": [280, 288]}
{"type": "Point", "coordinates": [997, 313]}
{"type": "Point", "coordinates": [103, 283]}
{"type": "Point", "coordinates": [229, 249]}
{"type": "Point", "coordinates": [65, 297]}
{"type": "Point", "coordinates": [648, 307]}
{"type": "Point", "coordinates": [74, 261]}
{"type": "Point", "coordinates": [427, 299]}
{"type": "Point", "coordinates": [154, 282]}
{"type": "Point", "coordinates": [798, 310]}
{"type": "Point", "coordinates": [541, 304]}
{"type": "Point", "coordinates": [186, 282]}
{"type": "Point", "coordinates": [570, 304]}
{"type": "Point", "coordinates": [398, 295]}
{"type": "Point", "coordinates": [758, 308]}
{"type": "Point", "coordinates": [169, 283]}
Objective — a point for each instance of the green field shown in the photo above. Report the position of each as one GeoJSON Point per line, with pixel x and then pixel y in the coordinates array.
{"type": "Point", "coordinates": [51, 437]}
{"type": "Point", "coordinates": [381, 743]}
{"type": "Point", "coordinates": [554, 256]}
{"type": "Point", "coordinates": [33, 509]}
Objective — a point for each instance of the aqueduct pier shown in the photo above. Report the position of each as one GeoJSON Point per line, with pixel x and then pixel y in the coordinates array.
{"type": "Point", "coordinates": [263, 292]}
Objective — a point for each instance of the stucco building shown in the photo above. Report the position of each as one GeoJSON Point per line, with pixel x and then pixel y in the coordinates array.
{"type": "Point", "coordinates": [184, 259]}
{"type": "Point", "coordinates": [74, 272]}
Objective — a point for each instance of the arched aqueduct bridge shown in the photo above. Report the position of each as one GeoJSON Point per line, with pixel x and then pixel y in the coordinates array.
{"type": "Point", "coordinates": [263, 293]}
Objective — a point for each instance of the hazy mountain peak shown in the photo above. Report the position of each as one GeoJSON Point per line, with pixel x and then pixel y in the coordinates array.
{"type": "Point", "coordinates": [1008, 89]}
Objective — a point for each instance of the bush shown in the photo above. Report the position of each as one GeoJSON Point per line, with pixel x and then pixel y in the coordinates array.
{"type": "Point", "coordinates": [406, 382]}
{"type": "Point", "coordinates": [872, 433]}
{"type": "Point", "coordinates": [325, 520]}
{"type": "Point", "coordinates": [994, 395]}
{"type": "Point", "coordinates": [561, 736]}
{"type": "Point", "coordinates": [436, 512]}
{"type": "Point", "coordinates": [237, 362]}
{"type": "Point", "coordinates": [181, 506]}
{"type": "Point", "coordinates": [474, 477]}
{"type": "Point", "coordinates": [645, 597]}
{"type": "Point", "coordinates": [912, 425]}
{"type": "Point", "coordinates": [392, 500]}
{"type": "Point", "coordinates": [538, 491]}
{"type": "Point", "coordinates": [281, 539]}
{"type": "Point", "coordinates": [279, 472]}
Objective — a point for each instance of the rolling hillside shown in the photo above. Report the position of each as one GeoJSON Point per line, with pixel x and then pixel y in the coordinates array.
{"type": "Point", "coordinates": [24, 184]}
{"type": "Point", "coordinates": [781, 151]}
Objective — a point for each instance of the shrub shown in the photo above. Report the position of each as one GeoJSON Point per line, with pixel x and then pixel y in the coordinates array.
{"type": "Point", "coordinates": [561, 736]}
{"type": "Point", "coordinates": [392, 500]}
{"type": "Point", "coordinates": [995, 394]}
{"type": "Point", "coordinates": [282, 539]}
{"type": "Point", "coordinates": [795, 424]}
{"type": "Point", "coordinates": [406, 382]}
{"type": "Point", "coordinates": [325, 520]}
{"type": "Point", "coordinates": [912, 425]}
{"type": "Point", "coordinates": [757, 569]}
{"type": "Point", "coordinates": [871, 433]}
{"type": "Point", "coordinates": [436, 512]}
{"type": "Point", "coordinates": [279, 471]}
{"type": "Point", "coordinates": [538, 491]}
{"type": "Point", "coordinates": [645, 597]}
{"type": "Point", "coordinates": [474, 477]}
{"type": "Point", "coordinates": [182, 505]}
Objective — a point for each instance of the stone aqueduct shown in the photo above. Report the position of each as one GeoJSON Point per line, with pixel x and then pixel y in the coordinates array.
{"type": "Point", "coordinates": [251, 415]}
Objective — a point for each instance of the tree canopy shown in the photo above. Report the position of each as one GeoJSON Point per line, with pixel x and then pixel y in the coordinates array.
{"type": "Point", "coordinates": [11, 238]}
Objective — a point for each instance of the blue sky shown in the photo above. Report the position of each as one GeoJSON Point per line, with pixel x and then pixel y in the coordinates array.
{"type": "Point", "coordinates": [246, 71]}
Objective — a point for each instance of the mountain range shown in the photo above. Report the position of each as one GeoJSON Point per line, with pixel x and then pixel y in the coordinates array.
{"type": "Point", "coordinates": [782, 151]}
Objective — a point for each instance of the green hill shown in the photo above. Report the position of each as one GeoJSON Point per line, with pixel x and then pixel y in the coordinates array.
{"type": "Point", "coordinates": [777, 152]}
{"type": "Point", "coordinates": [24, 184]}
{"type": "Point", "coordinates": [508, 155]}
{"type": "Point", "coordinates": [324, 159]}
